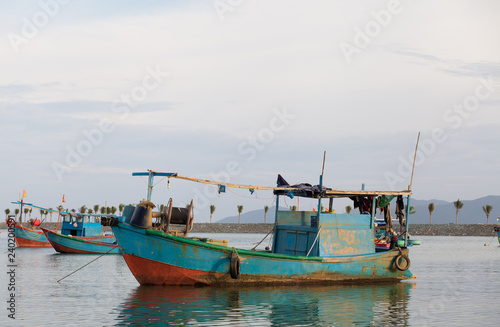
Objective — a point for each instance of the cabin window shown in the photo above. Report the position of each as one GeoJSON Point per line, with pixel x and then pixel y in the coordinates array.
{"type": "Point", "coordinates": [67, 218]}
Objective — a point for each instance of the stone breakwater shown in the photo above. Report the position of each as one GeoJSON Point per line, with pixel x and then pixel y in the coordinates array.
{"type": "Point", "coordinates": [417, 229]}
{"type": "Point", "coordinates": [453, 230]}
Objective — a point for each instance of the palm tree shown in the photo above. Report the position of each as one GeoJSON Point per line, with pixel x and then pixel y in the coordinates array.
{"type": "Point", "coordinates": [90, 211]}
{"type": "Point", "coordinates": [103, 210]}
{"type": "Point", "coordinates": [212, 210]}
{"type": "Point", "coordinates": [83, 209]}
{"type": "Point", "coordinates": [458, 205]}
{"type": "Point", "coordinates": [51, 214]}
{"type": "Point", "coordinates": [240, 209]}
{"type": "Point", "coordinates": [96, 208]}
{"type": "Point", "coordinates": [487, 210]}
{"type": "Point", "coordinates": [122, 206]}
{"type": "Point", "coordinates": [16, 212]}
{"type": "Point", "coordinates": [108, 210]}
{"type": "Point", "coordinates": [431, 209]}
{"type": "Point", "coordinates": [348, 210]}
{"type": "Point", "coordinates": [31, 209]}
{"type": "Point", "coordinates": [26, 210]}
{"type": "Point", "coordinates": [113, 210]}
{"type": "Point", "coordinates": [7, 211]}
{"type": "Point", "coordinates": [266, 209]}
{"type": "Point", "coordinates": [412, 210]}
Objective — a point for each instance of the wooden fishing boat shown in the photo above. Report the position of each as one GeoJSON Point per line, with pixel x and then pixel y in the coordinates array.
{"type": "Point", "coordinates": [309, 247]}
{"type": "Point", "coordinates": [77, 226]}
{"type": "Point", "coordinates": [30, 237]}
{"type": "Point", "coordinates": [82, 245]}
{"type": "Point", "coordinates": [82, 233]}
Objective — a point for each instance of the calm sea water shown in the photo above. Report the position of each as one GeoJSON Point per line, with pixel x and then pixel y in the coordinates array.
{"type": "Point", "coordinates": [458, 284]}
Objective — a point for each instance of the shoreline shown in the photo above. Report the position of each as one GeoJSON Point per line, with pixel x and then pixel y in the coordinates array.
{"type": "Point", "coordinates": [260, 228]}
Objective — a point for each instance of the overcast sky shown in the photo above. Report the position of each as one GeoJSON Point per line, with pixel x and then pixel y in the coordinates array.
{"type": "Point", "coordinates": [92, 91]}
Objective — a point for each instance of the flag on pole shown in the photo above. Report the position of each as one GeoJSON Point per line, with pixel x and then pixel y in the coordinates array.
{"type": "Point", "coordinates": [63, 199]}
{"type": "Point", "coordinates": [24, 193]}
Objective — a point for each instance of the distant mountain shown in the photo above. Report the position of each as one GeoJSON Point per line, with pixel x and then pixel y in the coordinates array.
{"type": "Point", "coordinates": [255, 216]}
{"type": "Point", "coordinates": [415, 202]}
{"type": "Point", "coordinates": [444, 212]}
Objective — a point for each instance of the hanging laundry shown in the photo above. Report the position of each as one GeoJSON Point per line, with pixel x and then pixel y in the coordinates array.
{"type": "Point", "coordinates": [400, 212]}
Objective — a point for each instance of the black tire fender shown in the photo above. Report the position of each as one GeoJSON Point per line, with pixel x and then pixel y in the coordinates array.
{"type": "Point", "coordinates": [234, 266]}
{"type": "Point", "coordinates": [402, 262]}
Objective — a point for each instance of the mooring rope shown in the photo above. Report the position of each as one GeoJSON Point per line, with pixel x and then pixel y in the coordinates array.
{"type": "Point", "coordinates": [85, 265]}
{"type": "Point", "coordinates": [253, 249]}
{"type": "Point", "coordinates": [494, 237]}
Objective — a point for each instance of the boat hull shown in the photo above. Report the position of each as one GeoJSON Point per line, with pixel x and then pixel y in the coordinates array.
{"type": "Point", "coordinates": [156, 258]}
{"type": "Point", "coordinates": [82, 245]}
{"type": "Point", "coordinates": [30, 238]}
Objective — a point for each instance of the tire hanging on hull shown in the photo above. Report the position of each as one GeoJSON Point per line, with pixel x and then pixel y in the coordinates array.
{"type": "Point", "coordinates": [234, 266]}
{"type": "Point", "coordinates": [402, 261]}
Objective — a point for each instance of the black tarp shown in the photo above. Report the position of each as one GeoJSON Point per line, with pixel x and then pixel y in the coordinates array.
{"type": "Point", "coordinates": [303, 189]}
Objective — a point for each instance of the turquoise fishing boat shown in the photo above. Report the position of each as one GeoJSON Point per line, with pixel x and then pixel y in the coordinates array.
{"type": "Point", "coordinates": [82, 233]}
{"type": "Point", "coordinates": [29, 235]}
{"type": "Point", "coordinates": [497, 230]}
{"type": "Point", "coordinates": [75, 227]}
{"type": "Point", "coordinates": [82, 245]}
{"type": "Point", "coordinates": [309, 247]}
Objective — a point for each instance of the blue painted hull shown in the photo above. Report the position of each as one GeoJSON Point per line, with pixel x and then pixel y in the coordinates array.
{"type": "Point", "coordinates": [156, 258]}
{"type": "Point", "coordinates": [90, 245]}
{"type": "Point", "coordinates": [26, 237]}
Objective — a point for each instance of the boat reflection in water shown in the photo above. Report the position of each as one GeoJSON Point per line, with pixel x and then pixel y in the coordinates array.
{"type": "Point", "coordinates": [366, 305]}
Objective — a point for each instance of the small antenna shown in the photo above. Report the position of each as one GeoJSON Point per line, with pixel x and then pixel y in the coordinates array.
{"type": "Point", "coordinates": [324, 158]}
{"type": "Point", "coordinates": [414, 159]}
